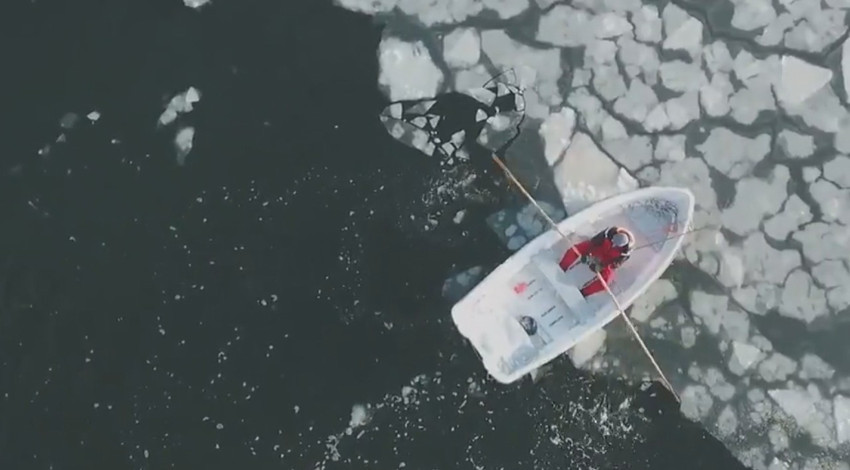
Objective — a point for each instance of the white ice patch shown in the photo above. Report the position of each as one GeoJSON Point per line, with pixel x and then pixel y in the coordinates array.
{"type": "Point", "coordinates": [180, 104]}
{"type": "Point", "coordinates": [837, 170]}
{"type": "Point", "coordinates": [557, 133]}
{"type": "Point", "coordinates": [696, 402]}
{"type": "Point", "coordinates": [743, 357]}
{"type": "Point", "coordinates": [751, 15]}
{"type": "Point", "coordinates": [195, 3]}
{"type": "Point", "coordinates": [586, 174]}
{"type": "Point", "coordinates": [841, 410]}
{"type": "Point", "coordinates": [506, 8]}
{"type": "Point", "coordinates": [756, 198]}
{"type": "Point", "coordinates": [687, 37]}
{"type": "Point", "coordinates": [732, 154]}
{"type": "Point", "coordinates": [796, 145]}
{"type": "Point", "coordinates": [794, 214]}
{"type": "Point", "coordinates": [809, 410]}
{"type": "Point", "coordinates": [183, 141]}
{"type": "Point", "coordinates": [371, 7]}
{"type": "Point", "coordinates": [407, 70]}
{"type": "Point", "coordinates": [800, 80]}
{"type": "Point", "coordinates": [777, 367]}
{"type": "Point", "coordinates": [659, 292]}
{"type": "Point", "coordinates": [462, 47]}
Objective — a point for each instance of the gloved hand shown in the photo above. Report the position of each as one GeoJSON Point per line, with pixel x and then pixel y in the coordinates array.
{"type": "Point", "coordinates": [593, 264]}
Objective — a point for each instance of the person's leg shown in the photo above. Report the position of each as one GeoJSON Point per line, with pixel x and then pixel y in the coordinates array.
{"type": "Point", "coordinates": [571, 256]}
{"type": "Point", "coordinates": [595, 285]}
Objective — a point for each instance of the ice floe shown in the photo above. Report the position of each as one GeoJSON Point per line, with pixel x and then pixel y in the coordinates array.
{"type": "Point", "coordinates": [181, 103]}
{"type": "Point", "coordinates": [462, 47]}
{"type": "Point", "coordinates": [407, 70]}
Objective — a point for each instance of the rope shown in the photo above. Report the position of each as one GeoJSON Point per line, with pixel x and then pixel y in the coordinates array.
{"type": "Point", "coordinates": [619, 307]}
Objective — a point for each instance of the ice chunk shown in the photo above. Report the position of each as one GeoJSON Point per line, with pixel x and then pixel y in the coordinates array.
{"type": "Point", "coordinates": [717, 57]}
{"type": "Point", "coordinates": [659, 292]}
{"type": "Point", "coordinates": [584, 350]}
{"type": "Point", "coordinates": [800, 80]}
{"type": "Point", "coordinates": [538, 70]}
{"type": "Point", "coordinates": [777, 367]}
{"type": "Point", "coordinates": [441, 12]}
{"type": "Point", "coordinates": [717, 384]}
{"type": "Point", "coordinates": [557, 132]}
{"type": "Point", "coordinates": [195, 3]}
{"type": "Point", "coordinates": [810, 411]}
{"type": "Point", "coordinates": [801, 299]}
{"type": "Point", "coordinates": [796, 145]}
{"type": "Point", "coordinates": [778, 437]}
{"type": "Point", "coordinates": [608, 82]}
{"type": "Point", "coordinates": [837, 170]}
{"type": "Point", "coordinates": [407, 70]}
{"type": "Point", "coordinates": [834, 202]}
{"type": "Point", "coordinates": [714, 96]}
{"type": "Point", "coordinates": [733, 154]}
{"type": "Point", "coordinates": [631, 152]}
{"type": "Point", "coordinates": [566, 26]}
{"type": "Point", "coordinates": [794, 214]}
{"type": "Point", "coordinates": [682, 76]}
{"type": "Point", "coordinates": [756, 198]}
{"type": "Point", "coordinates": [820, 241]}
{"type": "Point", "coordinates": [823, 111]}
{"type": "Point", "coordinates": [696, 402]}
{"type": "Point", "coordinates": [841, 409]}
{"type": "Point", "coordinates": [183, 142]}
{"type": "Point", "coordinates": [687, 37]}
{"type": "Point", "coordinates": [833, 275]}
{"type": "Point", "coordinates": [670, 148]}
{"type": "Point", "coordinates": [370, 7]}
{"type": "Point", "coordinates": [69, 120]}
{"type": "Point", "coordinates": [93, 116]}
{"type": "Point", "coordinates": [813, 367]}
{"type": "Point", "coordinates": [727, 423]}
{"type": "Point", "coordinates": [744, 356]}
{"type": "Point", "coordinates": [765, 263]}
{"type": "Point", "coordinates": [507, 8]}
{"type": "Point", "coordinates": [647, 24]}
{"type": "Point", "coordinates": [462, 47]}
{"type": "Point", "coordinates": [817, 30]}
{"type": "Point", "coordinates": [638, 59]}
{"type": "Point", "coordinates": [752, 14]}
{"type": "Point", "coordinates": [689, 336]}
{"type": "Point", "coordinates": [179, 104]}
{"type": "Point", "coordinates": [359, 416]}
{"type": "Point", "coordinates": [810, 174]}
{"type": "Point", "coordinates": [586, 174]}
{"type": "Point", "coordinates": [609, 25]}
{"type": "Point", "coordinates": [713, 312]}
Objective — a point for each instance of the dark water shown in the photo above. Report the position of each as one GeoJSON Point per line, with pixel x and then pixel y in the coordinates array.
{"type": "Point", "coordinates": [229, 313]}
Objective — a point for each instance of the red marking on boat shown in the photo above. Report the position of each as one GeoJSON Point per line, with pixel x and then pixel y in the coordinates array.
{"type": "Point", "coordinates": [520, 288]}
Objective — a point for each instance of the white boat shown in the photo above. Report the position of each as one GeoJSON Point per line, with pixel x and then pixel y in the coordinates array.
{"type": "Point", "coordinates": [530, 284]}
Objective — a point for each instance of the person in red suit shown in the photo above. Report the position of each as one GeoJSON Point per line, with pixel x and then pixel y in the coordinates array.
{"type": "Point", "coordinates": [603, 253]}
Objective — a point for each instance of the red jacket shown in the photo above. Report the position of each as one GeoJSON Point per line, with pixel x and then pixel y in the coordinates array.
{"type": "Point", "coordinates": [599, 248]}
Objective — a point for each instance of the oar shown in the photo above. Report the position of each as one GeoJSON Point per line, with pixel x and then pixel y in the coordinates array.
{"type": "Point", "coordinates": [619, 307]}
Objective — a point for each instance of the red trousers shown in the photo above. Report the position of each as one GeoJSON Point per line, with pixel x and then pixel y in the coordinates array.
{"type": "Point", "coordinates": [594, 285]}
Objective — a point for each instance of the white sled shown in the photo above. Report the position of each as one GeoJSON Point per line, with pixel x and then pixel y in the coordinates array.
{"type": "Point", "coordinates": [531, 284]}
